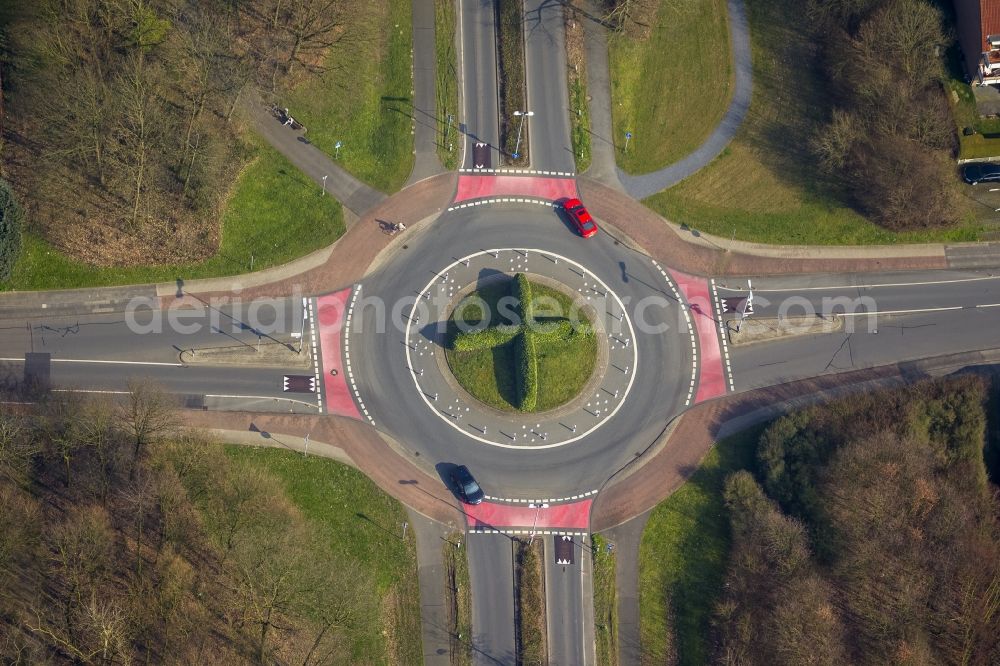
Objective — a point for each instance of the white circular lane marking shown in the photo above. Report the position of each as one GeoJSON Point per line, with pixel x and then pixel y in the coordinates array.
{"type": "Point", "coordinates": [494, 255]}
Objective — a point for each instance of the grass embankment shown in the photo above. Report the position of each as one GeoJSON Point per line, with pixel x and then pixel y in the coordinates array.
{"type": "Point", "coordinates": [362, 525]}
{"type": "Point", "coordinates": [579, 108]}
{"type": "Point", "coordinates": [458, 588]}
{"type": "Point", "coordinates": [530, 604]}
{"type": "Point", "coordinates": [449, 141]}
{"type": "Point", "coordinates": [605, 603]}
{"type": "Point", "coordinates": [682, 558]}
{"type": "Point", "coordinates": [273, 215]}
{"type": "Point", "coordinates": [670, 82]}
{"type": "Point", "coordinates": [510, 71]}
{"type": "Point", "coordinates": [364, 98]}
{"type": "Point", "coordinates": [490, 375]}
{"type": "Point", "coordinates": [766, 187]}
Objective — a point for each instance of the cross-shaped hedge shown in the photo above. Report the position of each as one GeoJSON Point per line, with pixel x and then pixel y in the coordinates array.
{"type": "Point", "coordinates": [526, 336]}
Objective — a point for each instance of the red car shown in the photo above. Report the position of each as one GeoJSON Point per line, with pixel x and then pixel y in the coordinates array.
{"type": "Point", "coordinates": [581, 218]}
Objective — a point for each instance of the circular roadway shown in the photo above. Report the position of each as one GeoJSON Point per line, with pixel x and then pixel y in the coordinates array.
{"type": "Point", "coordinates": [392, 346]}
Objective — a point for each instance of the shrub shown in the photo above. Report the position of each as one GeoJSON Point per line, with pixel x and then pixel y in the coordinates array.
{"type": "Point", "coordinates": [11, 217]}
{"type": "Point", "coordinates": [522, 292]}
{"type": "Point", "coordinates": [488, 338]}
{"type": "Point", "coordinates": [527, 375]}
{"type": "Point", "coordinates": [562, 331]}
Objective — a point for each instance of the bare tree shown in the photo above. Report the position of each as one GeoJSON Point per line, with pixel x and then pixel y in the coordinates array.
{"type": "Point", "coordinates": [147, 415]}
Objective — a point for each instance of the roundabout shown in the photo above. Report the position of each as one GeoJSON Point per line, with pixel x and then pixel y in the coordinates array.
{"type": "Point", "coordinates": [398, 336]}
{"type": "Point", "coordinates": [511, 430]}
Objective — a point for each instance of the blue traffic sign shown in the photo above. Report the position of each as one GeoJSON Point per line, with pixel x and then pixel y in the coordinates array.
{"type": "Point", "coordinates": [628, 135]}
{"type": "Point", "coordinates": [515, 155]}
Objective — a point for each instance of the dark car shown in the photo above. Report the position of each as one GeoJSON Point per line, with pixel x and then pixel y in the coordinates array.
{"type": "Point", "coordinates": [981, 172]}
{"type": "Point", "coordinates": [581, 218]}
{"type": "Point", "coordinates": [466, 486]}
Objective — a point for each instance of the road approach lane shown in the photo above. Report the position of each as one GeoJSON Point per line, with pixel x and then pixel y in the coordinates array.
{"type": "Point", "coordinates": [491, 570]}
{"type": "Point", "coordinates": [919, 316]}
{"type": "Point", "coordinates": [548, 94]}
{"type": "Point", "coordinates": [568, 590]}
{"type": "Point", "coordinates": [479, 69]}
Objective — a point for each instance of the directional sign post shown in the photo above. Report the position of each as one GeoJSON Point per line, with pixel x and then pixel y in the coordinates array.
{"type": "Point", "coordinates": [336, 147]}
{"type": "Point", "coordinates": [628, 137]}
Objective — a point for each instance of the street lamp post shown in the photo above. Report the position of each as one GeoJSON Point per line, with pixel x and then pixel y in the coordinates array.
{"type": "Point", "coordinates": [324, 185]}
{"type": "Point", "coordinates": [535, 521]}
{"type": "Point", "coordinates": [522, 115]}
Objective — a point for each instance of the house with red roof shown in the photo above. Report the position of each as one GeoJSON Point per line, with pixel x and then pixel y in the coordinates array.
{"type": "Point", "coordinates": [978, 23]}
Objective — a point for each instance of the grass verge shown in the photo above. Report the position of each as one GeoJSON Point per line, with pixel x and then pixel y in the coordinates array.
{"type": "Point", "coordinates": [458, 587]}
{"type": "Point", "coordinates": [447, 83]}
{"type": "Point", "coordinates": [765, 186]}
{"type": "Point", "coordinates": [530, 611]}
{"type": "Point", "coordinates": [682, 558]}
{"type": "Point", "coordinates": [362, 524]}
{"type": "Point", "coordinates": [605, 603]}
{"type": "Point", "coordinates": [670, 84]}
{"type": "Point", "coordinates": [579, 108]}
{"type": "Point", "coordinates": [363, 99]}
{"type": "Point", "coordinates": [490, 376]}
{"type": "Point", "coordinates": [274, 215]}
{"type": "Point", "coordinates": [510, 71]}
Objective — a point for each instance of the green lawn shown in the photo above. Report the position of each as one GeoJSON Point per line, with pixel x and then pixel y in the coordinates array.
{"type": "Point", "coordinates": [274, 215]}
{"type": "Point", "coordinates": [670, 89]}
{"type": "Point", "coordinates": [363, 525]}
{"type": "Point", "coordinates": [682, 558]}
{"type": "Point", "coordinates": [605, 603]}
{"type": "Point", "coordinates": [449, 141]}
{"type": "Point", "coordinates": [364, 98]}
{"type": "Point", "coordinates": [765, 187]}
{"type": "Point", "coordinates": [488, 375]}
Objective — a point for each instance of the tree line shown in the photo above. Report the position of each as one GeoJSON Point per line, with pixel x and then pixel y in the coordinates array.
{"type": "Point", "coordinates": [124, 539]}
{"type": "Point", "coordinates": [118, 132]}
{"type": "Point", "coordinates": [889, 139]}
{"type": "Point", "coordinates": [868, 534]}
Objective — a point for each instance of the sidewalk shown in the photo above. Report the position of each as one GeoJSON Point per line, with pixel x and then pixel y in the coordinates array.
{"type": "Point", "coordinates": [425, 114]}
{"type": "Point", "coordinates": [696, 253]}
{"type": "Point", "coordinates": [431, 536]}
{"type": "Point", "coordinates": [351, 192]}
{"type": "Point", "coordinates": [603, 167]}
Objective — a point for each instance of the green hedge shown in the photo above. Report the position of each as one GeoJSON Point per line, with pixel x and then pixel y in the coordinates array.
{"type": "Point", "coordinates": [488, 338]}
{"type": "Point", "coordinates": [560, 332]}
{"type": "Point", "coordinates": [527, 375]}
{"type": "Point", "coordinates": [522, 292]}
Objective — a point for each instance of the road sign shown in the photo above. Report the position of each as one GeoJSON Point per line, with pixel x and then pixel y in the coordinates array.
{"type": "Point", "coordinates": [628, 135]}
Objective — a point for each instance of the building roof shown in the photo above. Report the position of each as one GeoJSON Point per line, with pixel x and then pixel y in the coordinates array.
{"type": "Point", "coordinates": [989, 20]}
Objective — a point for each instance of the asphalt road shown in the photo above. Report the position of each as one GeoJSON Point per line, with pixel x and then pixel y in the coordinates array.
{"type": "Point", "coordinates": [570, 625]}
{"type": "Point", "coordinates": [479, 70]}
{"type": "Point", "coordinates": [920, 315]}
{"type": "Point", "coordinates": [491, 568]}
{"type": "Point", "coordinates": [548, 94]}
{"type": "Point", "coordinates": [103, 352]}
